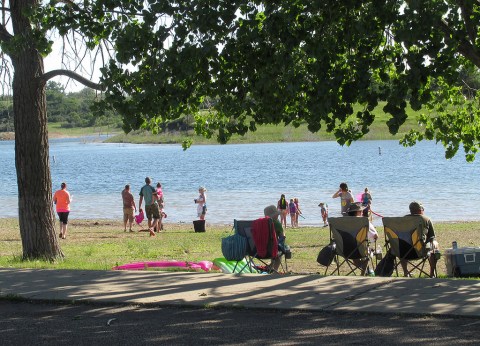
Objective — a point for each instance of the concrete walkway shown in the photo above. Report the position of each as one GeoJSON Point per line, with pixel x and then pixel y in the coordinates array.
{"type": "Point", "coordinates": [440, 297]}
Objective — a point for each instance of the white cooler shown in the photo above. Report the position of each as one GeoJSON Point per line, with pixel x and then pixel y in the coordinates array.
{"type": "Point", "coordinates": [463, 261]}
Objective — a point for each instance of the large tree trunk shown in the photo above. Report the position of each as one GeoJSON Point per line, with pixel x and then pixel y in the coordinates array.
{"type": "Point", "coordinates": [36, 217]}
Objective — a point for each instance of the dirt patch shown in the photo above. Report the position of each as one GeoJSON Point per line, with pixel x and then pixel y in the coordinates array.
{"type": "Point", "coordinates": [7, 136]}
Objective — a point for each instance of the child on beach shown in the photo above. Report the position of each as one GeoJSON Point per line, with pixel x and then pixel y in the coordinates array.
{"type": "Point", "coordinates": [292, 207]}
{"type": "Point", "coordinates": [366, 202]}
{"type": "Point", "coordinates": [295, 200]}
{"type": "Point", "coordinates": [324, 212]}
{"type": "Point", "coordinates": [161, 205]}
{"type": "Point", "coordinates": [139, 218]}
{"type": "Point", "coordinates": [159, 190]}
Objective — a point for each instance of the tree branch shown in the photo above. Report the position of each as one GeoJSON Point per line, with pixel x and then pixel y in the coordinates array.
{"type": "Point", "coordinates": [88, 83]}
{"type": "Point", "coordinates": [5, 36]}
{"type": "Point", "coordinates": [467, 11]}
{"type": "Point", "coordinates": [464, 47]}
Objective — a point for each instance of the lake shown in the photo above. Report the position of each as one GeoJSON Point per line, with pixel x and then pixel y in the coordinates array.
{"type": "Point", "coordinates": [242, 179]}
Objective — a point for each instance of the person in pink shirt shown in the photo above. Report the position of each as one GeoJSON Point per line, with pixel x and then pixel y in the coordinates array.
{"type": "Point", "coordinates": [159, 190]}
{"type": "Point", "coordinates": [62, 200]}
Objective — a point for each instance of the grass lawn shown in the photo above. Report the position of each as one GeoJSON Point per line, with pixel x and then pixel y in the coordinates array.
{"type": "Point", "coordinates": [102, 244]}
{"type": "Point", "coordinates": [55, 130]}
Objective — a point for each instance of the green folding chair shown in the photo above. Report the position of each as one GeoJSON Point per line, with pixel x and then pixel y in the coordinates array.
{"type": "Point", "coordinates": [350, 234]}
{"type": "Point", "coordinates": [404, 239]}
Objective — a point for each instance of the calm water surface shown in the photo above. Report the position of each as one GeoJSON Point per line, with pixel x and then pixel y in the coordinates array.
{"type": "Point", "coordinates": [243, 179]}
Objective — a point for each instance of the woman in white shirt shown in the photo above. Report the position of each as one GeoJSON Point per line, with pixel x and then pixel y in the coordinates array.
{"type": "Point", "coordinates": [201, 202]}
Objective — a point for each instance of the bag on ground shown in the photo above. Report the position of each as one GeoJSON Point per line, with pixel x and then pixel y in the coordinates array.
{"type": "Point", "coordinates": [234, 247]}
{"type": "Point", "coordinates": [385, 266]}
{"type": "Point", "coordinates": [326, 255]}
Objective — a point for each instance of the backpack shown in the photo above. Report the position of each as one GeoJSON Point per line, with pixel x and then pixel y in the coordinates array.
{"type": "Point", "coordinates": [234, 247]}
{"type": "Point", "coordinates": [385, 266]}
{"type": "Point", "coordinates": [326, 255]}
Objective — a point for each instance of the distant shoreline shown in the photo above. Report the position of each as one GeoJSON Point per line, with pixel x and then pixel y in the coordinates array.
{"type": "Point", "coordinates": [10, 136]}
{"type": "Point", "coordinates": [221, 224]}
{"type": "Point", "coordinates": [266, 133]}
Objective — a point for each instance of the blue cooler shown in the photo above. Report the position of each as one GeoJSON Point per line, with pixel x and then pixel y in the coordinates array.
{"type": "Point", "coordinates": [463, 261]}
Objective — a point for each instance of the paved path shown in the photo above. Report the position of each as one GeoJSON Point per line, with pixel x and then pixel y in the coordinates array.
{"type": "Point", "coordinates": [440, 297]}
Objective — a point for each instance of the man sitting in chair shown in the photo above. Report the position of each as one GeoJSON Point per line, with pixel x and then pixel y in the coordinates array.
{"type": "Point", "coordinates": [356, 209]}
{"type": "Point", "coordinates": [416, 209]}
{"type": "Point", "coordinates": [272, 212]}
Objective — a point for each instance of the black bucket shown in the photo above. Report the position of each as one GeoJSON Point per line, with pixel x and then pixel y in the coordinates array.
{"type": "Point", "coordinates": [288, 254]}
{"type": "Point", "coordinates": [199, 225]}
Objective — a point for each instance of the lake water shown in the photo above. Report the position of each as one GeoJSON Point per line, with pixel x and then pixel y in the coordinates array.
{"type": "Point", "coordinates": [242, 179]}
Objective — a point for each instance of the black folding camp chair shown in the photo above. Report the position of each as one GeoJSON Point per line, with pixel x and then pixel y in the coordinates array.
{"type": "Point", "coordinates": [404, 239]}
{"type": "Point", "coordinates": [350, 234]}
{"type": "Point", "coordinates": [255, 260]}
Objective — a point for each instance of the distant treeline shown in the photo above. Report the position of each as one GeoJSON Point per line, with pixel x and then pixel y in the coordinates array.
{"type": "Point", "coordinates": [74, 110]}
{"type": "Point", "coordinates": [69, 109]}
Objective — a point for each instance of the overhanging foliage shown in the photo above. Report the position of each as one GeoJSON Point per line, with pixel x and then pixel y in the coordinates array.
{"type": "Point", "coordinates": [286, 62]}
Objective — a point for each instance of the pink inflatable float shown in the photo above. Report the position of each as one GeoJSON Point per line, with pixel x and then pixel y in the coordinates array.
{"type": "Point", "coordinates": [359, 197]}
{"type": "Point", "coordinates": [202, 265]}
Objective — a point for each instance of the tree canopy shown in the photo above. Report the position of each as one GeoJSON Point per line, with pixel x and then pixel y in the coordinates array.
{"type": "Point", "coordinates": [286, 62]}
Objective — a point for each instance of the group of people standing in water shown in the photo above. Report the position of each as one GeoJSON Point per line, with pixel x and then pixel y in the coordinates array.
{"type": "Point", "coordinates": [346, 198]}
{"type": "Point", "coordinates": [292, 207]}
{"type": "Point", "coordinates": [285, 208]}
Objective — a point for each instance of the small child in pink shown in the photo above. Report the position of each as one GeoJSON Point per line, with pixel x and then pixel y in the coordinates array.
{"type": "Point", "coordinates": [293, 212]}
{"type": "Point", "coordinates": [139, 218]}
{"type": "Point", "coordinates": [159, 191]}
